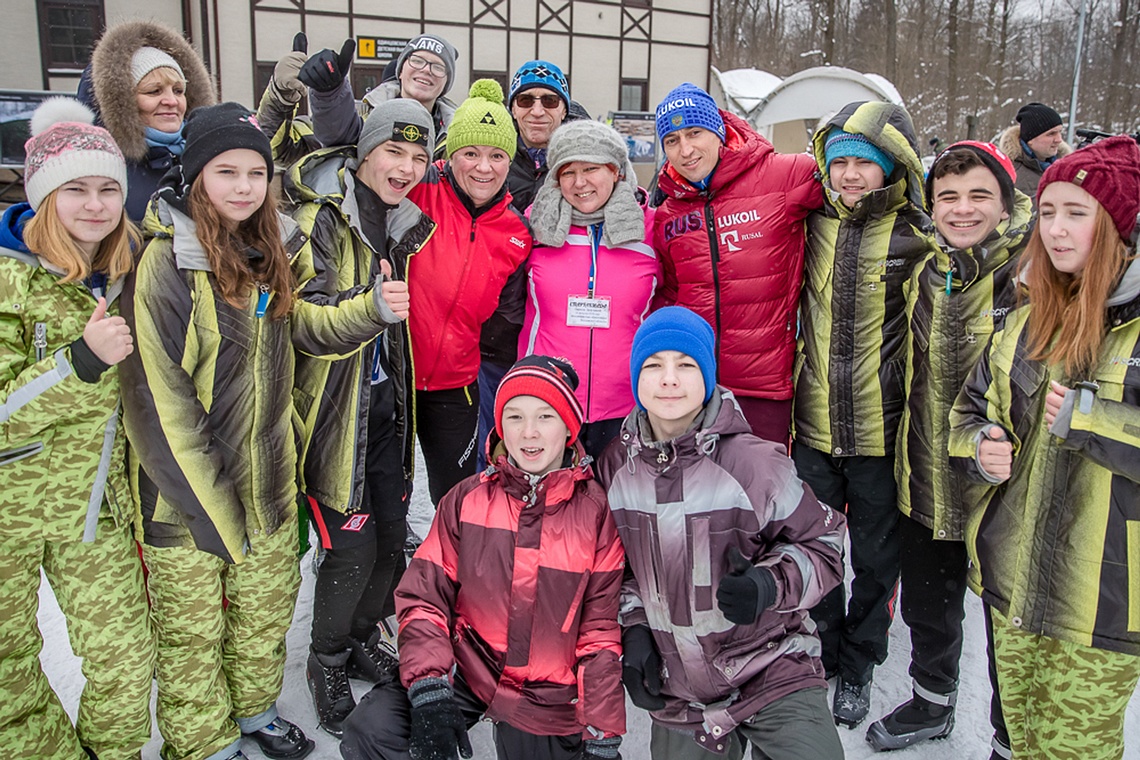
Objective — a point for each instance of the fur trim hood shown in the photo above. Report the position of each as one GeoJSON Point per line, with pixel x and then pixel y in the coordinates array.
{"type": "Point", "coordinates": [114, 84]}
{"type": "Point", "coordinates": [1009, 142]}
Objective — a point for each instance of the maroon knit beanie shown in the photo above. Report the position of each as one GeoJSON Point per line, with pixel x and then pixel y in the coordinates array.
{"type": "Point", "coordinates": [1108, 170]}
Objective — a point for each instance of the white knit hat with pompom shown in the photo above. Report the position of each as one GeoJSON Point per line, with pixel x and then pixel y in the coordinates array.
{"type": "Point", "coordinates": [66, 145]}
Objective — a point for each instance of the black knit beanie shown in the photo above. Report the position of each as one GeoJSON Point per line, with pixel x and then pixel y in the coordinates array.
{"type": "Point", "coordinates": [1036, 119]}
{"type": "Point", "coordinates": [212, 130]}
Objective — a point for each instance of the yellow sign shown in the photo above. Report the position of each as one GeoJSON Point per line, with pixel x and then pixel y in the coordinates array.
{"type": "Point", "coordinates": [365, 47]}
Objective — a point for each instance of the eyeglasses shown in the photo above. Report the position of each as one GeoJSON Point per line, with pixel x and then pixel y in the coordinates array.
{"type": "Point", "coordinates": [527, 101]}
{"type": "Point", "coordinates": [419, 64]}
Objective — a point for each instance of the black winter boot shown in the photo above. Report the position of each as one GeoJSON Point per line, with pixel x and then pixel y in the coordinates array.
{"type": "Point", "coordinates": [851, 704]}
{"type": "Point", "coordinates": [915, 720]}
{"type": "Point", "coordinates": [328, 683]}
{"type": "Point", "coordinates": [374, 660]}
{"type": "Point", "coordinates": [282, 740]}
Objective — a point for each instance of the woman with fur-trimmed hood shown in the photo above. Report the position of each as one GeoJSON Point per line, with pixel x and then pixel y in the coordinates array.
{"type": "Point", "coordinates": [143, 79]}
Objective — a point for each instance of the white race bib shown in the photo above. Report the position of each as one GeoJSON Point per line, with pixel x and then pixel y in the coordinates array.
{"type": "Point", "coordinates": [583, 311]}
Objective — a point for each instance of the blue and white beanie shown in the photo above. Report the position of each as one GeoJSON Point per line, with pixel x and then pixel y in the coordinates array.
{"type": "Point", "coordinates": [539, 74]}
{"type": "Point", "coordinates": [689, 106]}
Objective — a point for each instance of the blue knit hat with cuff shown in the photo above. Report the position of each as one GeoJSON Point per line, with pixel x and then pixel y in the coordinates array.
{"type": "Point", "coordinates": [675, 328]}
{"type": "Point", "coordinates": [842, 144]}
{"type": "Point", "coordinates": [689, 106]}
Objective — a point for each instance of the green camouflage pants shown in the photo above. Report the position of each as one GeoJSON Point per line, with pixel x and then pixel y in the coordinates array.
{"type": "Point", "coordinates": [1062, 701]}
{"type": "Point", "coordinates": [99, 587]}
{"type": "Point", "coordinates": [219, 664]}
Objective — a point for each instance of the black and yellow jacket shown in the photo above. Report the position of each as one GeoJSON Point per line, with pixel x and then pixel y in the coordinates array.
{"type": "Point", "coordinates": [956, 300]}
{"type": "Point", "coordinates": [852, 344]}
{"type": "Point", "coordinates": [207, 395]}
{"type": "Point", "coordinates": [1057, 548]}
{"type": "Point", "coordinates": [337, 260]}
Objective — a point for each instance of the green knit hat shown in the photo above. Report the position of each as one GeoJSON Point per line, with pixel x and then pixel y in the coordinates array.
{"type": "Point", "coordinates": [482, 120]}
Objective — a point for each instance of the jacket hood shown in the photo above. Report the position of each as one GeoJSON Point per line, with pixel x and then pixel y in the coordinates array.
{"type": "Point", "coordinates": [888, 127]}
{"type": "Point", "coordinates": [559, 484]}
{"type": "Point", "coordinates": [443, 110]}
{"type": "Point", "coordinates": [721, 416]}
{"type": "Point", "coordinates": [115, 87]}
{"type": "Point", "coordinates": [1009, 142]}
{"type": "Point", "coordinates": [743, 149]}
{"type": "Point", "coordinates": [12, 227]}
{"type": "Point", "coordinates": [165, 220]}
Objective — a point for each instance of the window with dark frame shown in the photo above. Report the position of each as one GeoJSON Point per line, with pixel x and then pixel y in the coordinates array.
{"type": "Point", "coordinates": [68, 32]}
{"type": "Point", "coordinates": [499, 76]}
{"type": "Point", "coordinates": [634, 95]}
{"type": "Point", "coordinates": [637, 3]}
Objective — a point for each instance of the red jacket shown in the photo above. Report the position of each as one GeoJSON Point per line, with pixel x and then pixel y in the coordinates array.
{"type": "Point", "coordinates": [518, 586]}
{"type": "Point", "coordinates": [455, 279]}
{"type": "Point", "coordinates": [735, 255]}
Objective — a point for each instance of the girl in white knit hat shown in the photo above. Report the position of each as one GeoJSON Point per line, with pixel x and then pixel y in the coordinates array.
{"type": "Point", "coordinates": [65, 507]}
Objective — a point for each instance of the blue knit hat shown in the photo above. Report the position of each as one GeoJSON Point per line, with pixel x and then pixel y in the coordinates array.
{"type": "Point", "coordinates": [675, 328]}
{"type": "Point", "coordinates": [539, 74]}
{"type": "Point", "coordinates": [688, 106]}
{"type": "Point", "coordinates": [842, 144]}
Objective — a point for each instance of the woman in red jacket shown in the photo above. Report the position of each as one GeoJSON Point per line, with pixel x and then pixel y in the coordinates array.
{"type": "Point", "coordinates": [730, 232]}
{"type": "Point", "coordinates": [455, 279]}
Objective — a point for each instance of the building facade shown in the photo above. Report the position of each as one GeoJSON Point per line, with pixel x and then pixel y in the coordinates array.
{"type": "Point", "coordinates": [617, 54]}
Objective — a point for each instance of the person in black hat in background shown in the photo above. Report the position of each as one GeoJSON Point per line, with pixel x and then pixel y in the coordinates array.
{"type": "Point", "coordinates": [1033, 143]}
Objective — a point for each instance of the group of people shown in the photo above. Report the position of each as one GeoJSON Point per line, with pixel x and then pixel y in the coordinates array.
{"type": "Point", "coordinates": [649, 423]}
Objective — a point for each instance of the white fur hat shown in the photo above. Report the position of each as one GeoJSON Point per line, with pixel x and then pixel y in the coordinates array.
{"type": "Point", "coordinates": [66, 145]}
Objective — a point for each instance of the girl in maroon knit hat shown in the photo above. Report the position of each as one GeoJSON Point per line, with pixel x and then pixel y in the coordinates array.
{"type": "Point", "coordinates": [1051, 417]}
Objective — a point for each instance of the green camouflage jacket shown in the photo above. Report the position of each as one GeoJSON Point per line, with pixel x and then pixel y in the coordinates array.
{"type": "Point", "coordinates": [62, 453]}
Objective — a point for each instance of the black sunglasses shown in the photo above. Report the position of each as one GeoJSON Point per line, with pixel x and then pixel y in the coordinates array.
{"type": "Point", "coordinates": [527, 101]}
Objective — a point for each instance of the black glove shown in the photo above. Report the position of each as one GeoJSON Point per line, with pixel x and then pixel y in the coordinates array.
{"type": "Point", "coordinates": [437, 727]}
{"type": "Point", "coordinates": [602, 749]}
{"type": "Point", "coordinates": [745, 592]}
{"type": "Point", "coordinates": [326, 70]}
{"type": "Point", "coordinates": [641, 667]}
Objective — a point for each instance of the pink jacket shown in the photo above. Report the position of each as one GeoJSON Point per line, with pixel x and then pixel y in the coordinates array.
{"type": "Point", "coordinates": [628, 276]}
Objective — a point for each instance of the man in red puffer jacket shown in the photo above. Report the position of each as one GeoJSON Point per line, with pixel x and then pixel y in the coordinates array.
{"type": "Point", "coordinates": [730, 232]}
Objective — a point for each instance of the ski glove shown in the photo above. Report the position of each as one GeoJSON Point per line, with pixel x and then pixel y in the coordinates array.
{"type": "Point", "coordinates": [641, 667]}
{"type": "Point", "coordinates": [325, 71]}
{"type": "Point", "coordinates": [746, 591]}
{"type": "Point", "coordinates": [437, 728]}
{"type": "Point", "coordinates": [601, 749]}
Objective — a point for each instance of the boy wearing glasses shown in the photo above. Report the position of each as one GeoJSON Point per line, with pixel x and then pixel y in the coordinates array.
{"type": "Point", "coordinates": [425, 71]}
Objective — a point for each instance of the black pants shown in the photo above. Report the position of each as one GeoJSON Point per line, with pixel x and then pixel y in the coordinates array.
{"type": "Point", "coordinates": [447, 425]}
{"type": "Point", "coordinates": [362, 554]}
{"type": "Point", "coordinates": [378, 729]}
{"type": "Point", "coordinates": [596, 436]}
{"type": "Point", "coordinates": [933, 604]}
{"type": "Point", "coordinates": [854, 635]}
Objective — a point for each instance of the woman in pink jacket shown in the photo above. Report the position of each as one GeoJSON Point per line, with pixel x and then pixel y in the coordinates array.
{"type": "Point", "coordinates": [593, 273]}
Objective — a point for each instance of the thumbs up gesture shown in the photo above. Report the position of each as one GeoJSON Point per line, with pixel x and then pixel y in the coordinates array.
{"type": "Point", "coordinates": [394, 292]}
{"type": "Point", "coordinates": [327, 69]}
{"type": "Point", "coordinates": [109, 338]}
{"type": "Point", "coordinates": [995, 453]}
{"type": "Point", "coordinates": [746, 591]}
{"type": "Point", "coordinates": [286, 73]}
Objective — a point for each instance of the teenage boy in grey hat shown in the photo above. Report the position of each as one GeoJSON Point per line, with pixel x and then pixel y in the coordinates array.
{"type": "Point", "coordinates": [356, 467]}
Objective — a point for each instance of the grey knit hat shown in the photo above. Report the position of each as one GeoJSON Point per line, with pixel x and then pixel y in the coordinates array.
{"type": "Point", "coordinates": [589, 141]}
{"type": "Point", "coordinates": [400, 119]}
{"type": "Point", "coordinates": [429, 43]}
{"type": "Point", "coordinates": [596, 143]}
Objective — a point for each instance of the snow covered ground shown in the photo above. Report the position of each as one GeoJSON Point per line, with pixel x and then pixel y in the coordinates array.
{"type": "Point", "coordinates": [970, 740]}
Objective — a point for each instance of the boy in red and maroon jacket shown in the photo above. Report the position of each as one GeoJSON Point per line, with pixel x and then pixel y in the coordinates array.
{"type": "Point", "coordinates": [509, 608]}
